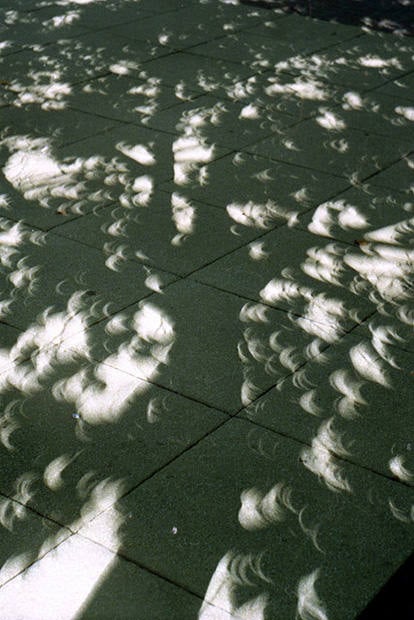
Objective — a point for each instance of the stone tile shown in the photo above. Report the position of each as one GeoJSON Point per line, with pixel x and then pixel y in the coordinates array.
{"type": "Point", "coordinates": [271, 528]}
{"type": "Point", "coordinates": [399, 176]}
{"type": "Point", "coordinates": [45, 183]}
{"type": "Point", "coordinates": [36, 76]}
{"type": "Point", "coordinates": [367, 213]}
{"type": "Point", "coordinates": [369, 61]}
{"type": "Point", "coordinates": [273, 93]}
{"type": "Point", "coordinates": [326, 144]}
{"type": "Point", "coordinates": [131, 155]}
{"type": "Point", "coordinates": [25, 536]}
{"type": "Point", "coordinates": [52, 126]}
{"type": "Point", "coordinates": [97, 16]}
{"type": "Point", "coordinates": [127, 99]}
{"type": "Point", "coordinates": [101, 431]}
{"type": "Point", "coordinates": [374, 113]}
{"type": "Point", "coordinates": [402, 87]}
{"type": "Point", "coordinates": [8, 337]}
{"type": "Point", "coordinates": [303, 33]}
{"type": "Point", "coordinates": [87, 581]}
{"type": "Point", "coordinates": [250, 48]}
{"type": "Point", "coordinates": [352, 401]}
{"type": "Point", "coordinates": [45, 75]}
{"type": "Point", "coordinates": [223, 350]}
{"type": "Point", "coordinates": [198, 73]}
{"type": "Point", "coordinates": [219, 121]}
{"type": "Point", "coordinates": [190, 25]}
{"type": "Point", "coordinates": [169, 232]}
{"type": "Point", "coordinates": [259, 193]}
{"type": "Point", "coordinates": [44, 25]}
{"type": "Point", "coordinates": [46, 276]}
{"type": "Point", "coordinates": [107, 51]}
{"type": "Point", "coordinates": [300, 273]}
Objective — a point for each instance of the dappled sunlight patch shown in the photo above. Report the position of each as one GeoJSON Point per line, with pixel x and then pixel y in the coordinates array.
{"type": "Point", "coordinates": [102, 386]}
{"type": "Point", "coordinates": [329, 120]}
{"type": "Point", "coordinates": [183, 216]}
{"type": "Point", "coordinates": [66, 19]}
{"type": "Point", "coordinates": [12, 510]}
{"type": "Point", "coordinates": [405, 111]}
{"type": "Point", "coordinates": [61, 584]}
{"type": "Point", "coordinates": [102, 394]}
{"type": "Point", "coordinates": [386, 269]}
{"type": "Point", "coordinates": [368, 365]}
{"type": "Point", "coordinates": [250, 111]}
{"type": "Point", "coordinates": [124, 67]}
{"type": "Point", "coordinates": [303, 89]}
{"type": "Point", "coordinates": [337, 212]}
{"type": "Point", "coordinates": [140, 153]}
{"type": "Point", "coordinates": [233, 572]}
{"type": "Point", "coordinates": [347, 384]}
{"type": "Point", "coordinates": [353, 101]}
{"type": "Point", "coordinates": [33, 170]}
{"type": "Point", "coordinates": [325, 263]}
{"type": "Point", "coordinates": [310, 606]}
{"type": "Point", "coordinates": [320, 459]}
{"type": "Point", "coordinates": [52, 475]}
{"type": "Point", "coordinates": [257, 251]}
{"type": "Point", "coordinates": [253, 215]}
{"type": "Point", "coordinates": [376, 62]}
{"type": "Point", "coordinates": [191, 153]}
{"type": "Point", "coordinates": [399, 470]}
{"type": "Point", "coordinates": [260, 510]}
{"type": "Point", "coordinates": [395, 234]}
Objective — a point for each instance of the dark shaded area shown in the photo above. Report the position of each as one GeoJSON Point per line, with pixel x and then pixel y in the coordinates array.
{"type": "Point", "coordinates": [395, 16]}
{"type": "Point", "coordinates": [395, 599]}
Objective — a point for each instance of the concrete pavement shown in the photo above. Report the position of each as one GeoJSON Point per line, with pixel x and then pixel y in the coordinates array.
{"type": "Point", "coordinates": [206, 311]}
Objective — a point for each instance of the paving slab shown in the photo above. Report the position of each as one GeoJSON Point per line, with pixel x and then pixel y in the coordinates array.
{"type": "Point", "coordinates": [43, 25]}
{"type": "Point", "coordinates": [191, 25]}
{"type": "Point", "coordinates": [369, 61]}
{"type": "Point", "coordinates": [89, 581]}
{"type": "Point", "coordinates": [97, 16]}
{"type": "Point", "coordinates": [375, 113]}
{"type": "Point", "coordinates": [46, 274]}
{"type": "Point", "coordinates": [326, 144]}
{"type": "Point", "coordinates": [300, 273]}
{"type": "Point", "coordinates": [302, 33]}
{"type": "Point", "coordinates": [341, 402]}
{"type": "Point", "coordinates": [58, 127]}
{"type": "Point", "coordinates": [299, 96]}
{"type": "Point", "coordinates": [106, 51]}
{"type": "Point", "coordinates": [169, 232]}
{"type": "Point", "coordinates": [248, 48]}
{"type": "Point", "coordinates": [260, 193]}
{"type": "Point", "coordinates": [398, 176]}
{"type": "Point", "coordinates": [372, 15]}
{"type": "Point", "coordinates": [205, 353]}
{"type": "Point", "coordinates": [124, 165]}
{"type": "Point", "coordinates": [196, 72]}
{"type": "Point", "coordinates": [8, 336]}
{"type": "Point", "coordinates": [225, 350]}
{"type": "Point", "coordinates": [219, 121]}
{"type": "Point", "coordinates": [45, 75]}
{"type": "Point", "coordinates": [128, 156]}
{"type": "Point", "coordinates": [401, 87]}
{"type": "Point", "coordinates": [36, 76]}
{"type": "Point", "coordinates": [274, 537]}
{"type": "Point", "coordinates": [25, 536]}
{"type": "Point", "coordinates": [127, 99]}
{"type": "Point", "coordinates": [102, 431]}
{"type": "Point", "coordinates": [360, 214]}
